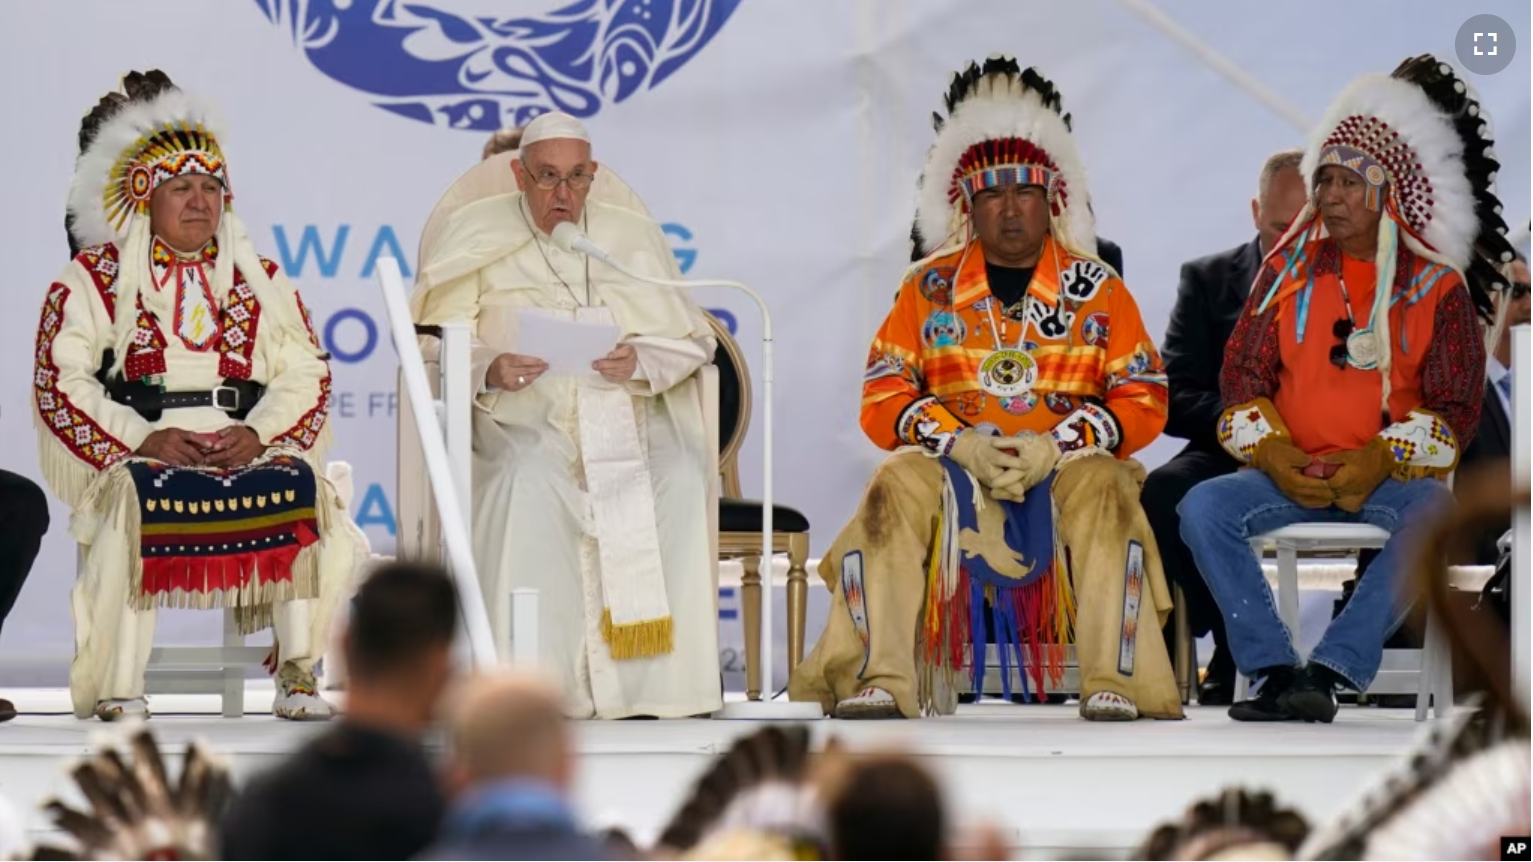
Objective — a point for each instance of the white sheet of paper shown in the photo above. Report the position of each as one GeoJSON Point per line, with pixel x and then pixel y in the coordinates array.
{"type": "Point", "coordinates": [568, 346]}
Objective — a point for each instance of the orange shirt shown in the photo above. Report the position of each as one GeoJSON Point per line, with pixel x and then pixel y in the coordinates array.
{"type": "Point", "coordinates": [1330, 409]}
{"type": "Point", "coordinates": [922, 377]}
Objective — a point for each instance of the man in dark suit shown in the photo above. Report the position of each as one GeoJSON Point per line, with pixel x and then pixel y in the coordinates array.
{"type": "Point", "coordinates": [23, 521]}
{"type": "Point", "coordinates": [1494, 442]}
{"type": "Point", "coordinates": [1209, 299]}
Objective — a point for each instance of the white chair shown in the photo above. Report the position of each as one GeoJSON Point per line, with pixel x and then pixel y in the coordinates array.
{"type": "Point", "coordinates": [1434, 672]}
{"type": "Point", "coordinates": [216, 670]}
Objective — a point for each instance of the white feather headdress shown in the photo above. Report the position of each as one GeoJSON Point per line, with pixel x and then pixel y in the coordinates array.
{"type": "Point", "coordinates": [137, 147]}
{"type": "Point", "coordinates": [1422, 142]}
{"type": "Point", "coordinates": [129, 146]}
{"type": "Point", "coordinates": [1001, 118]}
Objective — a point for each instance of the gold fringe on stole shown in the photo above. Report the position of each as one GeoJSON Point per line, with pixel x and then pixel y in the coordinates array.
{"type": "Point", "coordinates": [637, 640]}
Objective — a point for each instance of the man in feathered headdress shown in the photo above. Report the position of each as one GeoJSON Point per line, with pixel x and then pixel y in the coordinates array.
{"type": "Point", "coordinates": [1354, 379]}
{"type": "Point", "coordinates": [181, 403]}
{"type": "Point", "coordinates": [1014, 378]}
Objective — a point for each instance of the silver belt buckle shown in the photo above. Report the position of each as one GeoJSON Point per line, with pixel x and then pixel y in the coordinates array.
{"type": "Point", "coordinates": [226, 398]}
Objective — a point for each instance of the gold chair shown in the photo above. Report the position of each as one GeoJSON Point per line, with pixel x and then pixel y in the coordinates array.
{"type": "Point", "coordinates": [740, 519]}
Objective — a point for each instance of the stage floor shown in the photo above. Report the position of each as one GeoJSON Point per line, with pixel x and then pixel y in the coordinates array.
{"type": "Point", "coordinates": [1057, 785]}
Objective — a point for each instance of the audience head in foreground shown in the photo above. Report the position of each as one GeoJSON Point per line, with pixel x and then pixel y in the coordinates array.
{"type": "Point", "coordinates": [1235, 824]}
{"type": "Point", "coordinates": [512, 772]}
{"type": "Point", "coordinates": [398, 645]}
{"type": "Point", "coordinates": [887, 807]}
{"type": "Point", "coordinates": [365, 789]}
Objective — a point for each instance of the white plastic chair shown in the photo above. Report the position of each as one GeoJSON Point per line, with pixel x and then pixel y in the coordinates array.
{"type": "Point", "coordinates": [1434, 682]}
{"type": "Point", "coordinates": [216, 670]}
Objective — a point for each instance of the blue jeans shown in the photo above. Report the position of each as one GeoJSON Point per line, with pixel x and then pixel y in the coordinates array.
{"type": "Point", "coordinates": [1220, 516]}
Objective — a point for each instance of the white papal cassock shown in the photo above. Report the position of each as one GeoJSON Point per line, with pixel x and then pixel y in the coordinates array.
{"type": "Point", "coordinates": [593, 494]}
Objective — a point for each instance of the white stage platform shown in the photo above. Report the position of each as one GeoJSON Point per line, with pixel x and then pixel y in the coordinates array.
{"type": "Point", "coordinates": [1058, 785]}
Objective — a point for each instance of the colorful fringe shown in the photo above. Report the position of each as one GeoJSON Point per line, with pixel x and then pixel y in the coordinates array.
{"type": "Point", "coordinates": [241, 539]}
{"type": "Point", "coordinates": [1033, 617]}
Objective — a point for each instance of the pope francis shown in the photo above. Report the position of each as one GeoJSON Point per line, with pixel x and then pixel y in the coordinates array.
{"type": "Point", "coordinates": [590, 488]}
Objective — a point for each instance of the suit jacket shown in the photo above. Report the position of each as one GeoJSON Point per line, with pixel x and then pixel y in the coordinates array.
{"type": "Point", "coordinates": [1492, 443]}
{"type": "Point", "coordinates": [1111, 254]}
{"type": "Point", "coordinates": [1209, 300]}
{"type": "Point", "coordinates": [1494, 439]}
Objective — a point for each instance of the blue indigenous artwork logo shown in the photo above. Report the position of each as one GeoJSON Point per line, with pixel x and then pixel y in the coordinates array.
{"type": "Point", "coordinates": [476, 68]}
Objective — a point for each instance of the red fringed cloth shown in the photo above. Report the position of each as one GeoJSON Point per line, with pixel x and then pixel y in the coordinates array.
{"type": "Point", "coordinates": [236, 538]}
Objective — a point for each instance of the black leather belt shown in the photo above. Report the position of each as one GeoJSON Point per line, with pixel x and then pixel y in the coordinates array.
{"type": "Point", "coordinates": [235, 397]}
{"type": "Point", "coordinates": [225, 398]}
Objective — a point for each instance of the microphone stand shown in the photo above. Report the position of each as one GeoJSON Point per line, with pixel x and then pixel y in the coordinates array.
{"type": "Point", "coordinates": [572, 240]}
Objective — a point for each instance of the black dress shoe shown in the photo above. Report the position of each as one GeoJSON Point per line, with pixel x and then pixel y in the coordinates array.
{"type": "Point", "coordinates": [1216, 692]}
{"type": "Point", "coordinates": [1313, 695]}
{"type": "Point", "coordinates": [1218, 686]}
{"type": "Point", "coordinates": [7, 710]}
{"type": "Point", "coordinates": [1270, 702]}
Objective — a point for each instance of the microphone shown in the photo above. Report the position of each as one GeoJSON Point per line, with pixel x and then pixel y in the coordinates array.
{"type": "Point", "coordinates": [568, 237]}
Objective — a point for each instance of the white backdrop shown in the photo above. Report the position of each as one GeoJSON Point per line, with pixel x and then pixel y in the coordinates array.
{"type": "Point", "coordinates": [780, 148]}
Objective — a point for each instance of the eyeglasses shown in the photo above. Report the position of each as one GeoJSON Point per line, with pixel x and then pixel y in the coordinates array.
{"type": "Point", "coordinates": [1342, 330]}
{"type": "Point", "coordinates": [548, 180]}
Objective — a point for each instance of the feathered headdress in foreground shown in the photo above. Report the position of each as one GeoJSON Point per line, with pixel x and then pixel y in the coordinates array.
{"type": "Point", "coordinates": [1236, 824]}
{"type": "Point", "coordinates": [758, 799]}
{"type": "Point", "coordinates": [1467, 782]}
{"type": "Point", "coordinates": [136, 812]}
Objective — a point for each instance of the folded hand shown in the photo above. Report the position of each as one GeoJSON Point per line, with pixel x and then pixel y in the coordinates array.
{"type": "Point", "coordinates": [987, 458]}
{"type": "Point", "coordinates": [1284, 464]}
{"type": "Point", "coordinates": [1038, 454]}
{"type": "Point", "coordinates": [1359, 473]}
{"type": "Point", "coordinates": [236, 446]}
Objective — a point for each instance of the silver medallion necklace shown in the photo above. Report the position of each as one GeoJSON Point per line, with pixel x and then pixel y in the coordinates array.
{"type": "Point", "coordinates": [1362, 344]}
